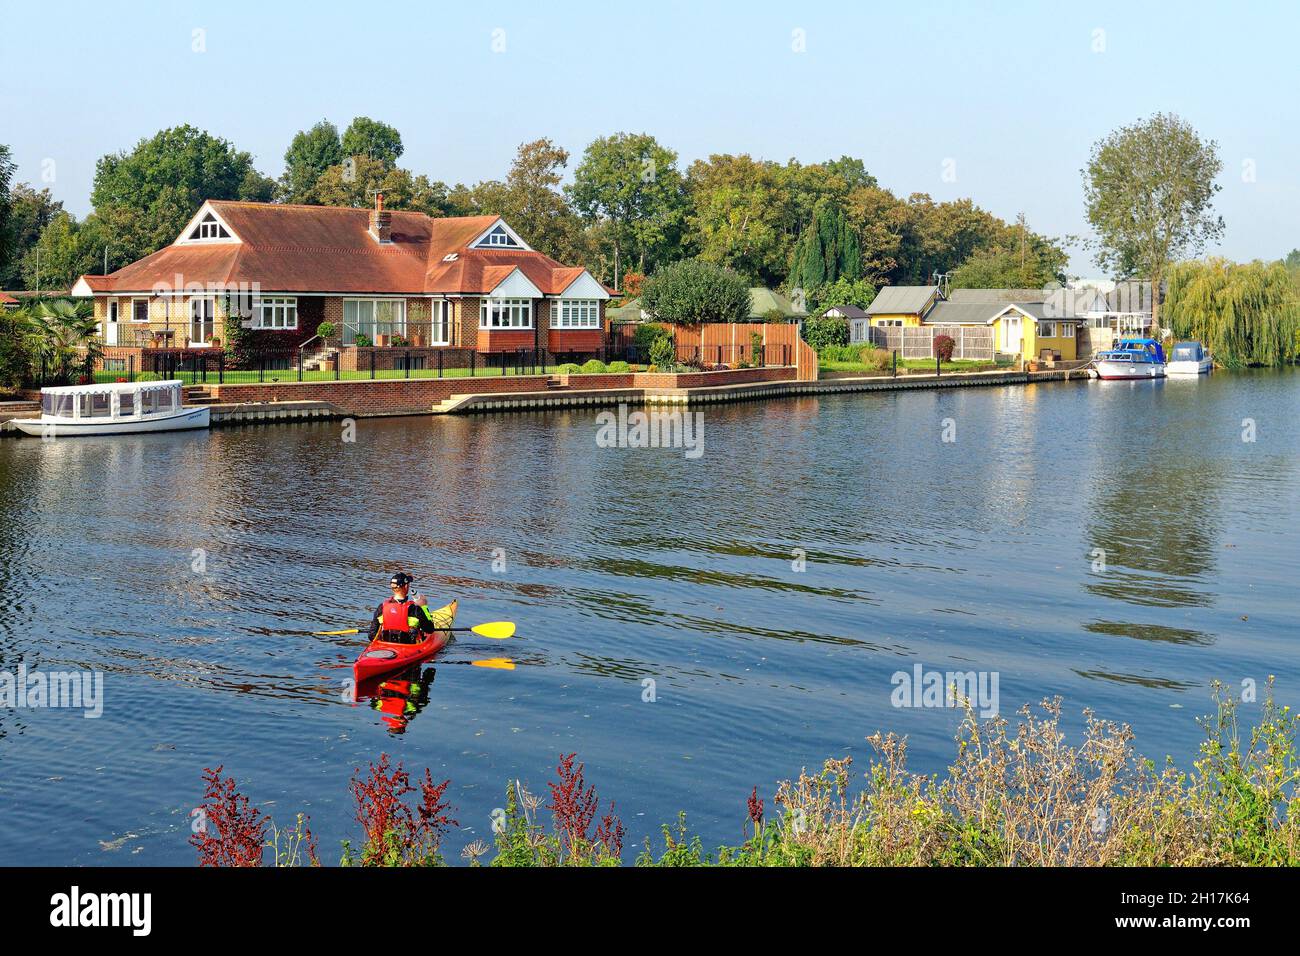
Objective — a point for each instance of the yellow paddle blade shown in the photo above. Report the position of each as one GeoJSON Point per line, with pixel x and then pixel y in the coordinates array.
{"type": "Point", "coordinates": [499, 630]}
{"type": "Point", "coordinates": [351, 630]}
{"type": "Point", "coordinates": [496, 663]}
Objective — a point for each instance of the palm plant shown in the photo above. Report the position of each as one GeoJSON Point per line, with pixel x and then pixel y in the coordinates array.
{"type": "Point", "coordinates": [64, 337]}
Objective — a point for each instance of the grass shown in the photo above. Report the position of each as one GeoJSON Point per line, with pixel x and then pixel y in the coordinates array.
{"type": "Point", "coordinates": [924, 365]}
{"type": "Point", "coordinates": [1012, 796]}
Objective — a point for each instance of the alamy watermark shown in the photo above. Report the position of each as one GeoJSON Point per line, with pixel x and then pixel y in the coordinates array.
{"type": "Point", "coordinates": [931, 688]}
{"type": "Point", "coordinates": [652, 429]}
{"type": "Point", "coordinates": [36, 690]}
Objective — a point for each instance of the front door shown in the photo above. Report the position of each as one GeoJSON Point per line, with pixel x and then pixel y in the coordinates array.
{"type": "Point", "coordinates": [1011, 334]}
{"type": "Point", "coordinates": [202, 315]}
{"type": "Point", "coordinates": [110, 323]}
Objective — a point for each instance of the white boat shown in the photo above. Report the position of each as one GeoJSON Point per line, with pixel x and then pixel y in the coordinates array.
{"type": "Point", "coordinates": [1131, 359]}
{"type": "Point", "coordinates": [1188, 358]}
{"type": "Point", "coordinates": [118, 408]}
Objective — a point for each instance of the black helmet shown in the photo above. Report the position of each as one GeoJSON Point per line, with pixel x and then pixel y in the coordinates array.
{"type": "Point", "coordinates": [400, 580]}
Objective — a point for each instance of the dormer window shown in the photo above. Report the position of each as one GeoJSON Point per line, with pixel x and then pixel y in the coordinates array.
{"type": "Point", "coordinates": [498, 238]}
{"type": "Point", "coordinates": [209, 228]}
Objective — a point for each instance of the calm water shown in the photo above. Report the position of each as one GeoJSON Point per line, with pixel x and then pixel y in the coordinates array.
{"type": "Point", "coordinates": [626, 565]}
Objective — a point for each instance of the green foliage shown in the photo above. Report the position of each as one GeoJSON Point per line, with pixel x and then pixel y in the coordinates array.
{"type": "Point", "coordinates": [150, 193]}
{"type": "Point", "coordinates": [825, 331]}
{"type": "Point", "coordinates": [62, 338]}
{"type": "Point", "coordinates": [693, 291]}
{"type": "Point", "coordinates": [631, 183]}
{"type": "Point", "coordinates": [663, 354]}
{"type": "Point", "coordinates": [1149, 189]}
{"type": "Point", "coordinates": [593, 367]}
{"type": "Point", "coordinates": [8, 239]}
{"type": "Point", "coordinates": [827, 251]}
{"type": "Point", "coordinates": [618, 368]}
{"type": "Point", "coordinates": [310, 153]}
{"type": "Point", "coordinates": [842, 291]}
{"type": "Point", "coordinates": [568, 368]}
{"type": "Point", "coordinates": [1031, 263]}
{"type": "Point", "coordinates": [326, 330]}
{"type": "Point", "coordinates": [362, 340]}
{"type": "Point", "coordinates": [1246, 314]}
{"type": "Point", "coordinates": [647, 333]}
{"type": "Point", "coordinates": [372, 139]}
{"type": "Point", "coordinates": [30, 213]}
{"type": "Point", "coordinates": [148, 377]}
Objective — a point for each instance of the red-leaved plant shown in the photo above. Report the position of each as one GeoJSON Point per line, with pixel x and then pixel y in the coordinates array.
{"type": "Point", "coordinates": [575, 805]}
{"type": "Point", "coordinates": [395, 833]}
{"type": "Point", "coordinates": [230, 832]}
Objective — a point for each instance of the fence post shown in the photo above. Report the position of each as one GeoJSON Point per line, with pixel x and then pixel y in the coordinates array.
{"type": "Point", "coordinates": [937, 362]}
{"type": "Point", "coordinates": [221, 368]}
{"type": "Point", "coordinates": [439, 363]}
{"type": "Point", "coordinates": [300, 363]}
{"type": "Point", "coordinates": [372, 363]}
{"type": "Point", "coordinates": [473, 358]}
{"type": "Point", "coordinates": [408, 363]}
{"type": "Point", "coordinates": [894, 362]}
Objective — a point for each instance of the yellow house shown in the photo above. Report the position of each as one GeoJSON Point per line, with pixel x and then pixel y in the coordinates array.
{"type": "Point", "coordinates": [1030, 329]}
{"type": "Point", "coordinates": [903, 305]}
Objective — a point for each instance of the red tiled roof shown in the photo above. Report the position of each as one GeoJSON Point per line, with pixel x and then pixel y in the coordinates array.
{"type": "Point", "coordinates": [287, 248]}
{"type": "Point", "coordinates": [6, 299]}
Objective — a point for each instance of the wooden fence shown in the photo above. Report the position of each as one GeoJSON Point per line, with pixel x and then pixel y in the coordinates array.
{"type": "Point", "coordinates": [734, 339]}
{"type": "Point", "coordinates": [969, 342]}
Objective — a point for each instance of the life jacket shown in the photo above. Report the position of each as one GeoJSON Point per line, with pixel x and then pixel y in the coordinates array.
{"type": "Point", "coordinates": [399, 616]}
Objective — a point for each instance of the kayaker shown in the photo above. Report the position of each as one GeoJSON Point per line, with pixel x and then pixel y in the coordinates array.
{"type": "Point", "coordinates": [400, 619]}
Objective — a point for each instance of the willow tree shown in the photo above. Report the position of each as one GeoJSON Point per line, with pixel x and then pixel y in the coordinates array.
{"type": "Point", "coordinates": [1149, 190]}
{"type": "Point", "coordinates": [1247, 313]}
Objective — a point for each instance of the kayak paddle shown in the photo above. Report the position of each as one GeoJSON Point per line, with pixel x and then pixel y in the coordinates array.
{"type": "Point", "coordinates": [497, 630]}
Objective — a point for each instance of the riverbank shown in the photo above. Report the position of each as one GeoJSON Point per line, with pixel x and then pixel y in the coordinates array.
{"type": "Point", "coordinates": [1012, 796]}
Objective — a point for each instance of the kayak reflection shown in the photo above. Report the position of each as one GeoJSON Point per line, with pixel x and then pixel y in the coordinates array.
{"type": "Point", "coordinates": [399, 696]}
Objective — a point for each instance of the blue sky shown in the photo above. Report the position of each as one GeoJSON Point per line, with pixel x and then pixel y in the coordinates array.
{"type": "Point", "coordinates": [1012, 93]}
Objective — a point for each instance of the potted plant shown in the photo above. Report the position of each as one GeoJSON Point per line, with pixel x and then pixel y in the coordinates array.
{"type": "Point", "coordinates": [362, 341]}
{"type": "Point", "coordinates": [326, 330]}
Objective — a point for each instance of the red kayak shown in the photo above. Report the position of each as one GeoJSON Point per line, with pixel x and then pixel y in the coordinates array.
{"type": "Point", "coordinates": [380, 656]}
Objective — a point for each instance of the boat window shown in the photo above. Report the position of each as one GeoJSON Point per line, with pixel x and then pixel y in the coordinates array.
{"type": "Point", "coordinates": [63, 405]}
{"type": "Point", "coordinates": [1186, 353]}
{"type": "Point", "coordinates": [47, 403]}
{"type": "Point", "coordinates": [151, 401]}
{"type": "Point", "coordinates": [97, 405]}
{"type": "Point", "coordinates": [126, 403]}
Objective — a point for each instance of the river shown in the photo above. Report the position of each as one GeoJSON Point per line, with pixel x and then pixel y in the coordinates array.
{"type": "Point", "coordinates": [691, 626]}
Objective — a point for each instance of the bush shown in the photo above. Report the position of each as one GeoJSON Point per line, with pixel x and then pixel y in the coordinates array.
{"type": "Point", "coordinates": [618, 367]}
{"type": "Point", "coordinates": [363, 341]}
{"type": "Point", "coordinates": [824, 331]}
{"type": "Point", "coordinates": [399, 341]}
{"type": "Point", "coordinates": [568, 368]}
{"type": "Point", "coordinates": [648, 334]}
{"type": "Point", "coordinates": [326, 330]}
{"type": "Point", "coordinates": [692, 291]}
{"type": "Point", "coordinates": [943, 346]}
{"type": "Point", "coordinates": [148, 377]}
{"type": "Point", "coordinates": [775, 316]}
{"type": "Point", "coordinates": [663, 353]}
{"type": "Point", "coordinates": [593, 367]}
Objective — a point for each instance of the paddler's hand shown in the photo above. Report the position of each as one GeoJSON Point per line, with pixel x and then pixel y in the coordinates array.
{"type": "Point", "coordinates": [420, 600]}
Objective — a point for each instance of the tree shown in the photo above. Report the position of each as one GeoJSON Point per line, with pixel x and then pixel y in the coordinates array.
{"type": "Point", "coordinates": [154, 190]}
{"type": "Point", "coordinates": [373, 139]}
{"type": "Point", "coordinates": [531, 201]}
{"type": "Point", "coordinates": [1245, 313]}
{"type": "Point", "coordinates": [827, 251]}
{"type": "Point", "coordinates": [7, 239]}
{"type": "Point", "coordinates": [30, 213]}
{"type": "Point", "coordinates": [737, 216]}
{"type": "Point", "coordinates": [632, 183]}
{"type": "Point", "coordinates": [1149, 189]}
{"type": "Point", "coordinates": [310, 153]}
{"type": "Point", "coordinates": [842, 291]}
{"type": "Point", "coordinates": [64, 337]}
{"type": "Point", "coordinates": [692, 291]}
{"type": "Point", "coordinates": [61, 254]}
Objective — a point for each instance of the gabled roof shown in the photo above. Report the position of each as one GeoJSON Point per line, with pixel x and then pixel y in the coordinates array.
{"type": "Point", "coordinates": [763, 300]}
{"type": "Point", "coordinates": [964, 313]}
{"type": "Point", "coordinates": [848, 311]}
{"type": "Point", "coordinates": [288, 248]}
{"type": "Point", "coordinates": [6, 299]}
{"type": "Point", "coordinates": [997, 295]}
{"type": "Point", "coordinates": [902, 300]}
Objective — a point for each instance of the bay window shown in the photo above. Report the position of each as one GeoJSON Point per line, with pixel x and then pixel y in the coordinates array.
{"type": "Point", "coordinates": [575, 314]}
{"type": "Point", "coordinates": [506, 314]}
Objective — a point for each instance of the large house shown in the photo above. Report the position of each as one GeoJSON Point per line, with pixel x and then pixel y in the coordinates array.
{"type": "Point", "coordinates": [379, 277]}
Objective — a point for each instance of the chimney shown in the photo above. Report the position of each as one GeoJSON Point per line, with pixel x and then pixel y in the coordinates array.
{"type": "Point", "coordinates": [381, 221]}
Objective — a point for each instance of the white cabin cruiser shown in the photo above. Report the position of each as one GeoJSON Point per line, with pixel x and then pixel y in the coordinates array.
{"type": "Point", "coordinates": [1135, 358]}
{"type": "Point", "coordinates": [117, 408]}
{"type": "Point", "coordinates": [1188, 358]}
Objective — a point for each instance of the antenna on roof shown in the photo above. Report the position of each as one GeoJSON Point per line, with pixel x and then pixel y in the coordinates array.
{"type": "Point", "coordinates": [942, 280]}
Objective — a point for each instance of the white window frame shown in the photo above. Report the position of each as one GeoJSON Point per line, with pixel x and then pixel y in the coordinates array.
{"type": "Point", "coordinates": [491, 309]}
{"type": "Point", "coordinates": [441, 321]}
{"type": "Point", "coordinates": [575, 314]}
{"type": "Point", "coordinates": [284, 305]}
{"type": "Point", "coordinates": [370, 329]}
{"type": "Point", "coordinates": [145, 320]}
{"type": "Point", "coordinates": [210, 308]}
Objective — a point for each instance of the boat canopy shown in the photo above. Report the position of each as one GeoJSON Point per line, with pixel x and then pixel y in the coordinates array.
{"type": "Point", "coordinates": [1188, 352]}
{"type": "Point", "coordinates": [111, 400]}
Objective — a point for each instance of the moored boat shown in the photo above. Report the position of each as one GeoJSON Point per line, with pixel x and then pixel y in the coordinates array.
{"type": "Point", "coordinates": [1131, 359]}
{"type": "Point", "coordinates": [1189, 358]}
{"type": "Point", "coordinates": [114, 408]}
